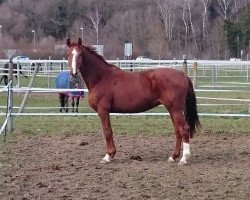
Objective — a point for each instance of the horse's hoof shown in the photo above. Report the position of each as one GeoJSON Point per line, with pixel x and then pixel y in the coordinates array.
{"type": "Point", "coordinates": [106, 159]}
{"type": "Point", "coordinates": [171, 160]}
{"type": "Point", "coordinates": [182, 162]}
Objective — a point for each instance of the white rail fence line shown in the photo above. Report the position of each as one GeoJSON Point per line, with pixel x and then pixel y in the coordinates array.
{"type": "Point", "coordinates": [129, 114]}
{"type": "Point", "coordinates": [42, 90]}
{"type": "Point", "coordinates": [214, 66]}
{"type": "Point", "coordinates": [51, 67]}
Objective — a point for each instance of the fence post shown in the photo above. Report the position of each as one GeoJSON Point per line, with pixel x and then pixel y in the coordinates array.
{"type": "Point", "coordinates": [184, 69]}
{"type": "Point", "coordinates": [18, 74]}
{"type": "Point", "coordinates": [28, 91]}
{"type": "Point", "coordinates": [195, 73]}
{"type": "Point", "coordinates": [247, 73]}
{"type": "Point", "coordinates": [213, 76]}
{"type": "Point", "coordinates": [10, 99]}
{"type": "Point", "coordinates": [49, 71]}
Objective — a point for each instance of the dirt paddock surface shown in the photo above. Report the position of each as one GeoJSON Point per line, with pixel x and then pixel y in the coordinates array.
{"type": "Point", "coordinates": [67, 167]}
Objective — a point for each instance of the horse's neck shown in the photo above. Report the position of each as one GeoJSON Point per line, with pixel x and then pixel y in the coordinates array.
{"type": "Point", "coordinates": [94, 69]}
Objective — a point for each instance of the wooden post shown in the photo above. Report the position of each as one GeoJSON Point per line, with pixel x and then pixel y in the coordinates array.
{"type": "Point", "coordinates": [10, 99]}
{"type": "Point", "coordinates": [28, 91]}
{"type": "Point", "coordinates": [18, 74]}
{"type": "Point", "coordinates": [184, 69]}
{"type": "Point", "coordinates": [195, 73]}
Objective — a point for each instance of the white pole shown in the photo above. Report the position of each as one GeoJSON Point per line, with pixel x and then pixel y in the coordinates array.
{"type": "Point", "coordinates": [28, 91]}
{"type": "Point", "coordinates": [10, 99]}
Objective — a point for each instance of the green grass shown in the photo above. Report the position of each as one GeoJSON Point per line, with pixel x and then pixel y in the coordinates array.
{"type": "Point", "coordinates": [131, 125]}
{"type": "Point", "coordinates": [154, 125]}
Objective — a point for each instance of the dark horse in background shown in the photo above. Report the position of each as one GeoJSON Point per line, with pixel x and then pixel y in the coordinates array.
{"type": "Point", "coordinates": [6, 72]}
{"type": "Point", "coordinates": [112, 89]}
{"type": "Point", "coordinates": [65, 81]}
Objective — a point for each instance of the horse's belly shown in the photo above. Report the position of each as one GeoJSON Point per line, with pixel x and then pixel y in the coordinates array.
{"type": "Point", "coordinates": [134, 106]}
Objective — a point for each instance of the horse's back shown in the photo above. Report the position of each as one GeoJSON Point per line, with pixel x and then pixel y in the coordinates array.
{"type": "Point", "coordinates": [6, 67]}
{"type": "Point", "coordinates": [65, 81]}
{"type": "Point", "coordinates": [140, 91]}
{"type": "Point", "coordinates": [62, 80]}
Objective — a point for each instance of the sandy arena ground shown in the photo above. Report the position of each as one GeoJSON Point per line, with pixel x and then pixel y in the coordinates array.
{"type": "Point", "coordinates": [67, 167]}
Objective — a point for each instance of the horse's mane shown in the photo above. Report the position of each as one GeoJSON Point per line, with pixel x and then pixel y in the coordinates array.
{"type": "Point", "coordinates": [93, 50]}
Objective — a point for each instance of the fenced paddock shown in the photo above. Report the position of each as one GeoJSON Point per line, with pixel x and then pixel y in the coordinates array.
{"type": "Point", "coordinates": [57, 157]}
{"type": "Point", "coordinates": [222, 87]}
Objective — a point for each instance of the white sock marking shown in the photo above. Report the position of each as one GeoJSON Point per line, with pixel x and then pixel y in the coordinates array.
{"type": "Point", "coordinates": [170, 159]}
{"type": "Point", "coordinates": [74, 52]}
{"type": "Point", "coordinates": [106, 158]}
{"type": "Point", "coordinates": [186, 152]}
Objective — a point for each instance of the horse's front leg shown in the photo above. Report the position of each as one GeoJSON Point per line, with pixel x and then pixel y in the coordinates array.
{"type": "Point", "coordinates": [77, 103]}
{"type": "Point", "coordinates": [108, 134]}
{"type": "Point", "coordinates": [66, 103]}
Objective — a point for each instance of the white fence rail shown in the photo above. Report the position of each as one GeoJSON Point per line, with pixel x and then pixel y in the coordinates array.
{"type": "Point", "coordinates": [207, 68]}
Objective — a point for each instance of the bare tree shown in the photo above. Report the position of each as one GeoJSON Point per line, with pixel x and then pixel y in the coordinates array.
{"type": "Point", "coordinates": [95, 18]}
{"type": "Point", "coordinates": [191, 23]}
{"type": "Point", "coordinates": [185, 24]}
{"type": "Point", "coordinates": [167, 10]}
{"type": "Point", "coordinates": [204, 12]}
{"type": "Point", "coordinates": [229, 8]}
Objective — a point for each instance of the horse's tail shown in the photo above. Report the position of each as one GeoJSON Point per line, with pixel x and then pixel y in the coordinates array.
{"type": "Point", "coordinates": [191, 109]}
{"type": "Point", "coordinates": [5, 79]}
{"type": "Point", "coordinates": [1, 79]}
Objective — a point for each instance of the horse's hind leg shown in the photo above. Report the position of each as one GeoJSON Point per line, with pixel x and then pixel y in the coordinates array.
{"type": "Point", "coordinates": [77, 103]}
{"type": "Point", "coordinates": [73, 104]}
{"type": "Point", "coordinates": [5, 79]}
{"type": "Point", "coordinates": [182, 134]}
{"type": "Point", "coordinates": [66, 103]}
{"type": "Point", "coordinates": [177, 150]}
{"type": "Point", "coordinates": [61, 99]}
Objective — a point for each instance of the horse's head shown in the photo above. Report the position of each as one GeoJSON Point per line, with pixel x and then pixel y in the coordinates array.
{"type": "Point", "coordinates": [74, 56]}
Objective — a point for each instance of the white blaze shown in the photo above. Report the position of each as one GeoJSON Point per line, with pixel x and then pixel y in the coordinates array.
{"type": "Point", "coordinates": [73, 65]}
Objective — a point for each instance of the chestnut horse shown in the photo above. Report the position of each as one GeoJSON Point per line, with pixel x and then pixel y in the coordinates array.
{"type": "Point", "coordinates": [112, 89]}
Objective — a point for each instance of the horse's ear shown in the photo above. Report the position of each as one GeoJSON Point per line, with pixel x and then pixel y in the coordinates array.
{"type": "Point", "coordinates": [80, 42]}
{"type": "Point", "coordinates": [68, 42]}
